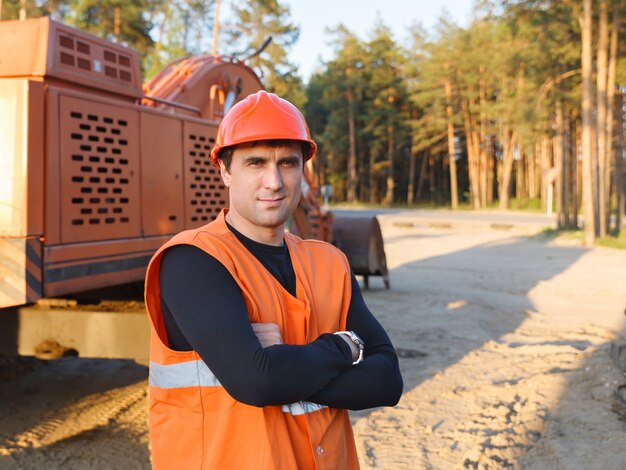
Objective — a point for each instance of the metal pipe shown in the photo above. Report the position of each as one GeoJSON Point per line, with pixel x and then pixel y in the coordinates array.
{"type": "Point", "coordinates": [229, 100]}
{"type": "Point", "coordinates": [174, 104]}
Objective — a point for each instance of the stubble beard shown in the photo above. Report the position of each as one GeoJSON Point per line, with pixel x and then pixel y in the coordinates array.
{"type": "Point", "coordinates": [274, 217]}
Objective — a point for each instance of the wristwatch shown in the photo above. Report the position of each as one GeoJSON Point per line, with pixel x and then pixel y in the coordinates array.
{"type": "Point", "coordinates": [356, 339]}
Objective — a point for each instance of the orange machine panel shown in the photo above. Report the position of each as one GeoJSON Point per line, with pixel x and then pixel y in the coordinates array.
{"type": "Point", "coordinates": [161, 174]}
{"type": "Point", "coordinates": [99, 171]}
{"type": "Point", "coordinates": [21, 158]}
{"type": "Point", "coordinates": [42, 47]}
{"type": "Point", "coordinates": [77, 267]}
{"type": "Point", "coordinates": [205, 194]}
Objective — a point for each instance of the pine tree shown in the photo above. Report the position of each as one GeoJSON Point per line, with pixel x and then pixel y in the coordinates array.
{"type": "Point", "coordinates": [387, 114]}
{"type": "Point", "coordinates": [253, 23]}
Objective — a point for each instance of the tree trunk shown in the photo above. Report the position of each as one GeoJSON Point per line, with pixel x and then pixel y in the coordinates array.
{"type": "Point", "coordinates": [507, 167]}
{"type": "Point", "coordinates": [363, 171]}
{"type": "Point", "coordinates": [432, 177]}
{"type": "Point", "coordinates": [159, 43]}
{"type": "Point", "coordinates": [477, 143]}
{"type": "Point", "coordinates": [491, 166]}
{"type": "Point", "coordinates": [422, 177]}
{"type": "Point", "coordinates": [410, 196]}
{"type": "Point", "coordinates": [471, 157]}
{"type": "Point", "coordinates": [117, 21]}
{"type": "Point", "coordinates": [352, 167]}
{"type": "Point", "coordinates": [520, 177]}
{"type": "Point", "coordinates": [620, 186]}
{"type": "Point", "coordinates": [545, 165]}
{"type": "Point", "coordinates": [477, 156]}
{"type": "Point", "coordinates": [373, 181]}
{"type": "Point", "coordinates": [601, 104]}
{"type": "Point", "coordinates": [575, 180]}
{"type": "Point", "coordinates": [594, 172]}
{"type": "Point", "coordinates": [532, 171]}
{"type": "Point", "coordinates": [444, 180]}
{"type": "Point", "coordinates": [612, 118]}
{"type": "Point", "coordinates": [454, 191]}
{"type": "Point", "coordinates": [390, 156]}
{"type": "Point", "coordinates": [216, 28]}
{"type": "Point", "coordinates": [566, 173]}
{"type": "Point", "coordinates": [587, 110]}
{"type": "Point", "coordinates": [484, 164]}
{"type": "Point", "coordinates": [520, 174]}
{"type": "Point", "coordinates": [560, 162]}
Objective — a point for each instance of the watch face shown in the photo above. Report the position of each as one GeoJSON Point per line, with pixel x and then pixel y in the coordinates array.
{"type": "Point", "coordinates": [358, 339]}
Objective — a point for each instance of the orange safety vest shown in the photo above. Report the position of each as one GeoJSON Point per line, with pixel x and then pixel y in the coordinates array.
{"type": "Point", "coordinates": [194, 422]}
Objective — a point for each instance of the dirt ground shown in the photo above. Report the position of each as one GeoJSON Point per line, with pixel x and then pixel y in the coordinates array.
{"type": "Point", "coordinates": [504, 339]}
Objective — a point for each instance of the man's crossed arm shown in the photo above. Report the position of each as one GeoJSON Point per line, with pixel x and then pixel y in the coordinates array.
{"type": "Point", "coordinates": [205, 310]}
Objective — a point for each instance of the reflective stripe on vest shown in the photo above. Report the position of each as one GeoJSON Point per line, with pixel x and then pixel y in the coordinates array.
{"type": "Point", "coordinates": [197, 373]}
{"type": "Point", "coordinates": [182, 374]}
{"type": "Point", "coordinates": [302, 407]}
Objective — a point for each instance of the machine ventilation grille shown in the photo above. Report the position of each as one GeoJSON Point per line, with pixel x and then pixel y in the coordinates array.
{"type": "Point", "coordinates": [117, 66]}
{"type": "Point", "coordinates": [75, 53]}
{"type": "Point", "coordinates": [99, 169]}
{"type": "Point", "coordinates": [78, 54]}
{"type": "Point", "coordinates": [206, 192]}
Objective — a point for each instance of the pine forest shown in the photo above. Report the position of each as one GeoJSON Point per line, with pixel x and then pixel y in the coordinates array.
{"type": "Point", "coordinates": [522, 108]}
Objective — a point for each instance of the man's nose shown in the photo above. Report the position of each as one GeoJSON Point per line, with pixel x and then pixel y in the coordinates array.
{"type": "Point", "coordinates": [272, 178]}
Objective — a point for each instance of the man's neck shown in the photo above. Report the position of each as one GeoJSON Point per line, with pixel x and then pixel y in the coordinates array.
{"type": "Point", "coordinates": [266, 235]}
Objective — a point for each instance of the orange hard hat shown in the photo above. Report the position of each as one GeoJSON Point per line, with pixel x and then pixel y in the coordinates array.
{"type": "Point", "coordinates": [262, 116]}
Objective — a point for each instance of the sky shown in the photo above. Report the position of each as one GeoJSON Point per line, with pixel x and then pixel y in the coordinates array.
{"type": "Point", "coordinates": [359, 16]}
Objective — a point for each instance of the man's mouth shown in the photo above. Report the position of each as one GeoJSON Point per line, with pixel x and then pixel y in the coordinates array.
{"type": "Point", "coordinates": [270, 200]}
{"type": "Point", "coordinates": [271, 203]}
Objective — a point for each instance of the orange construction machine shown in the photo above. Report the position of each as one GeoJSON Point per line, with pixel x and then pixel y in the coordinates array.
{"type": "Point", "coordinates": [97, 171]}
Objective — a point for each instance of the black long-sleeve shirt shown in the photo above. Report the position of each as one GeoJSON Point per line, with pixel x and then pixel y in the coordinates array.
{"type": "Point", "coordinates": [203, 309]}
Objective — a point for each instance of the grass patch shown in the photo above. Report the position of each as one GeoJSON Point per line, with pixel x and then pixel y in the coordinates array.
{"type": "Point", "coordinates": [526, 205]}
{"type": "Point", "coordinates": [614, 240]}
{"type": "Point", "coordinates": [395, 205]}
{"type": "Point", "coordinates": [530, 205]}
{"type": "Point", "coordinates": [569, 235]}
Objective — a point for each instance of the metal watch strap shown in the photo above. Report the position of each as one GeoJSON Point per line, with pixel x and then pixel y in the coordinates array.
{"type": "Point", "coordinates": [358, 342]}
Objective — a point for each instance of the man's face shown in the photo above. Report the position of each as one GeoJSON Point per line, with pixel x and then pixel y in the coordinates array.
{"type": "Point", "coordinates": [264, 183]}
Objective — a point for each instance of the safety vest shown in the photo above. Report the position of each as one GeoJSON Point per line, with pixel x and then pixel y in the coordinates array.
{"type": "Point", "coordinates": [194, 422]}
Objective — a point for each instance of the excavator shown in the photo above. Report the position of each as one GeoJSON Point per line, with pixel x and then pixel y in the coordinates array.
{"type": "Point", "coordinates": [98, 169]}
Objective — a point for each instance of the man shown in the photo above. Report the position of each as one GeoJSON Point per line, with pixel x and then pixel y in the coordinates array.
{"type": "Point", "coordinates": [260, 340]}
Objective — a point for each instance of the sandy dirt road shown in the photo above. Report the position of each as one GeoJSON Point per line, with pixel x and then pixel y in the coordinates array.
{"type": "Point", "coordinates": [504, 341]}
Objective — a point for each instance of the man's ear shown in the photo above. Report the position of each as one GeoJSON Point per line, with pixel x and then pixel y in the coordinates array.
{"type": "Point", "coordinates": [225, 174]}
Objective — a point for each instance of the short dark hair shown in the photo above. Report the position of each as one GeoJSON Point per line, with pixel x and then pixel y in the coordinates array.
{"type": "Point", "coordinates": [226, 154]}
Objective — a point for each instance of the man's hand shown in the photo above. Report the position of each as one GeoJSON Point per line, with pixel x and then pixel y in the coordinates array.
{"type": "Point", "coordinates": [268, 334]}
